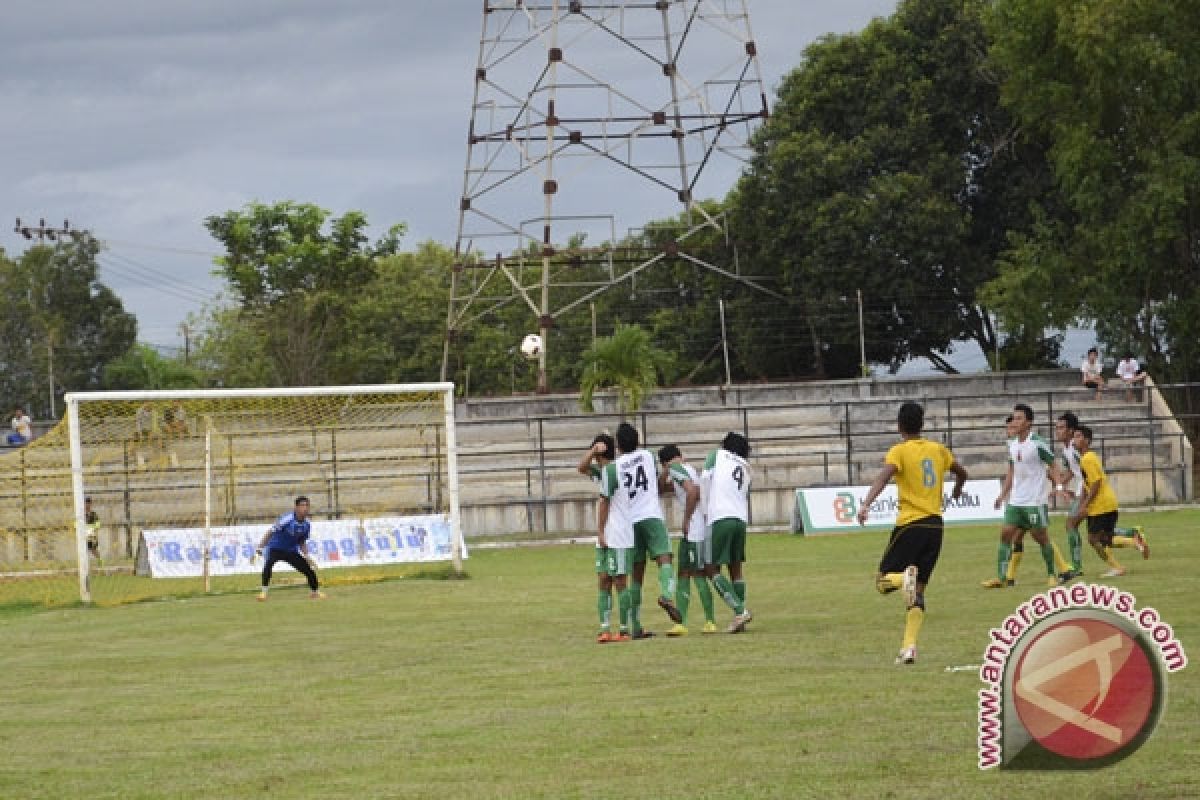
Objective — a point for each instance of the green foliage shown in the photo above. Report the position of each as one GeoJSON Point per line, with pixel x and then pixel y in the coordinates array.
{"type": "Point", "coordinates": [1113, 88]}
{"type": "Point", "coordinates": [57, 312]}
{"type": "Point", "coordinates": [143, 367]}
{"type": "Point", "coordinates": [888, 167]}
{"type": "Point", "coordinates": [628, 362]}
{"type": "Point", "coordinates": [296, 278]}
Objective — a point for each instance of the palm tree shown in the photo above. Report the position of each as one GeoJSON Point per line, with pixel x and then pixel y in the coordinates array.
{"type": "Point", "coordinates": [626, 361]}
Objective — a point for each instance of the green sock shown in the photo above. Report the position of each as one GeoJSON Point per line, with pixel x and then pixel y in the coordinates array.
{"type": "Point", "coordinates": [1075, 545]}
{"type": "Point", "coordinates": [666, 581]}
{"type": "Point", "coordinates": [706, 598]}
{"type": "Point", "coordinates": [625, 602]}
{"type": "Point", "coordinates": [728, 594]}
{"type": "Point", "coordinates": [635, 607]}
{"type": "Point", "coordinates": [740, 588]}
{"type": "Point", "coordinates": [683, 598]}
{"type": "Point", "coordinates": [1048, 557]}
{"type": "Point", "coordinates": [604, 608]}
{"type": "Point", "coordinates": [1003, 554]}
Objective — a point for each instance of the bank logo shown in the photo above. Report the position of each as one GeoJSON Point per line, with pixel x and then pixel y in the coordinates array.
{"type": "Point", "coordinates": [1076, 679]}
{"type": "Point", "coordinates": [844, 507]}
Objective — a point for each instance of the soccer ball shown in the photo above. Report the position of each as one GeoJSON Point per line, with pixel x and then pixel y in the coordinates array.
{"type": "Point", "coordinates": [531, 345]}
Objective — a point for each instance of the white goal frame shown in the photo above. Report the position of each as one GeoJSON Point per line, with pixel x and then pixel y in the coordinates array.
{"type": "Point", "coordinates": [74, 399]}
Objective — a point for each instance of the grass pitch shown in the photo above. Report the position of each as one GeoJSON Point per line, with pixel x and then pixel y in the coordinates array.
{"type": "Point", "coordinates": [493, 688]}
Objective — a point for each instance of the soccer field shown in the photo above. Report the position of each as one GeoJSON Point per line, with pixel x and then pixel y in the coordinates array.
{"type": "Point", "coordinates": [493, 687]}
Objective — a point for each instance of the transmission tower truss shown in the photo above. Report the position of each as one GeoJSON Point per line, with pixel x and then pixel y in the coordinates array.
{"type": "Point", "coordinates": [588, 117]}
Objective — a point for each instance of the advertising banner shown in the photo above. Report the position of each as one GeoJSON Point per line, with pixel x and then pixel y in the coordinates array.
{"type": "Point", "coordinates": [179, 552]}
{"type": "Point", "coordinates": [835, 509]}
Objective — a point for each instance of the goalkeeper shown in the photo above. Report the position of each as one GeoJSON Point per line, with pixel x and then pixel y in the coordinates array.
{"type": "Point", "coordinates": [283, 542]}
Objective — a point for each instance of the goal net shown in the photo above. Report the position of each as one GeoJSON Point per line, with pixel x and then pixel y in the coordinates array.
{"type": "Point", "coordinates": [138, 495]}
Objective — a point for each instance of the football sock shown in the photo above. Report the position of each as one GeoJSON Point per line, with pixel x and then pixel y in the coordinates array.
{"type": "Point", "coordinates": [706, 598]}
{"type": "Point", "coordinates": [1075, 545]}
{"type": "Point", "coordinates": [666, 580]}
{"type": "Point", "coordinates": [1122, 531]}
{"type": "Point", "coordinates": [1003, 555]}
{"type": "Point", "coordinates": [1105, 553]}
{"type": "Point", "coordinates": [624, 602]}
{"type": "Point", "coordinates": [1060, 563]}
{"type": "Point", "coordinates": [683, 597]}
{"type": "Point", "coordinates": [913, 619]}
{"type": "Point", "coordinates": [635, 606]}
{"type": "Point", "coordinates": [1123, 541]}
{"type": "Point", "coordinates": [725, 589]}
{"type": "Point", "coordinates": [1048, 555]}
{"type": "Point", "coordinates": [890, 581]}
{"type": "Point", "coordinates": [1013, 564]}
{"type": "Point", "coordinates": [264, 589]}
{"type": "Point", "coordinates": [739, 587]}
{"type": "Point", "coordinates": [604, 608]}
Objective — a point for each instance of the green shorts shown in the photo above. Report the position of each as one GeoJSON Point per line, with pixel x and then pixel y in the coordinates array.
{"type": "Point", "coordinates": [693, 556]}
{"type": "Point", "coordinates": [1027, 518]}
{"type": "Point", "coordinates": [728, 541]}
{"type": "Point", "coordinates": [650, 537]}
{"type": "Point", "coordinates": [613, 561]}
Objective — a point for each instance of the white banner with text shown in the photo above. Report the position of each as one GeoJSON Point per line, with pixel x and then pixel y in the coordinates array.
{"type": "Point", "coordinates": [179, 552]}
{"type": "Point", "coordinates": [835, 509]}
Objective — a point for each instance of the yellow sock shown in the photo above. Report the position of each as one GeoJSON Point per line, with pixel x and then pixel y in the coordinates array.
{"type": "Point", "coordinates": [1110, 559]}
{"type": "Point", "coordinates": [1060, 564]}
{"type": "Point", "coordinates": [890, 581]}
{"type": "Point", "coordinates": [1123, 541]}
{"type": "Point", "coordinates": [913, 619]}
{"type": "Point", "coordinates": [1014, 561]}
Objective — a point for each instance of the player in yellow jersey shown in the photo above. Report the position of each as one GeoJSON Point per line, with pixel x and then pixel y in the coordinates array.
{"type": "Point", "coordinates": [919, 467]}
{"type": "Point", "coordinates": [1099, 502]}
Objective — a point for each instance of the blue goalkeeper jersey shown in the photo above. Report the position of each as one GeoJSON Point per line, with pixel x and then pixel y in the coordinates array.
{"type": "Point", "coordinates": [289, 533]}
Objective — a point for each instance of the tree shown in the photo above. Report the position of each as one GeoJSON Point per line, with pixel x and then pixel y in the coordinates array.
{"type": "Point", "coordinates": [889, 166]}
{"type": "Point", "coordinates": [1113, 88]}
{"type": "Point", "coordinates": [627, 361]}
{"type": "Point", "coordinates": [61, 325]}
{"type": "Point", "coordinates": [295, 278]}
{"type": "Point", "coordinates": [143, 367]}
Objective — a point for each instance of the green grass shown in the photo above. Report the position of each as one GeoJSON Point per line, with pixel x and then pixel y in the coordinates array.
{"type": "Point", "coordinates": [492, 687]}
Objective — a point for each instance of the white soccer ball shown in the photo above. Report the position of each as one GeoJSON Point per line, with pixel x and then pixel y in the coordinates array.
{"type": "Point", "coordinates": [531, 345]}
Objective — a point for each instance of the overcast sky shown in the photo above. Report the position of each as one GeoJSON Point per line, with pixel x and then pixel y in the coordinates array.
{"type": "Point", "coordinates": [136, 119]}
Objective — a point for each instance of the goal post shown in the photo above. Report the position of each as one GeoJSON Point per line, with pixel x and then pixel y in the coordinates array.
{"type": "Point", "coordinates": [184, 483]}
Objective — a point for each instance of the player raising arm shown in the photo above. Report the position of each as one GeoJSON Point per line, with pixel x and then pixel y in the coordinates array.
{"type": "Point", "coordinates": [919, 467]}
{"type": "Point", "coordinates": [282, 542]}
{"type": "Point", "coordinates": [695, 548]}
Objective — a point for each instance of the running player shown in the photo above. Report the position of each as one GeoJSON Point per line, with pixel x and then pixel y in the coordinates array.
{"type": "Point", "coordinates": [919, 467]}
{"type": "Point", "coordinates": [611, 560]}
{"type": "Point", "coordinates": [695, 548]}
{"type": "Point", "coordinates": [1099, 502]}
{"type": "Point", "coordinates": [1018, 547]}
{"type": "Point", "coordinates": [630, 485]}
{"type": "Point", "coordinates": [283, 542]}
{"type": "Point", "coordinates": [1025, 489]}
{"type": "Point", "coordinates": [1069, 484]}
{"type": "Point", "coordinates": [727, 506]}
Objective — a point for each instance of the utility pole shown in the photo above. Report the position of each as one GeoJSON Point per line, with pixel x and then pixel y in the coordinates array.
{"type": "Point", "coordinates": [186, 330]}
{"type": "Point", "coordinates": [44, 233]}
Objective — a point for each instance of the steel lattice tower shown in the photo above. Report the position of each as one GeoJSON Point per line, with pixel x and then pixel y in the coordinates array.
{"type": "Point", "coordinates": [577, 106]}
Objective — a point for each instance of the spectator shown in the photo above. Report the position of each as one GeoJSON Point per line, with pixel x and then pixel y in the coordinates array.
{"type": "Point", "coordinates": [1130, 373]}
{"type": "Point", "coordinates": [175, 420]}
{"type": "Point", "coordinates": [22, 428]}
{"type": "Point", "coordinates": [1092, 372]}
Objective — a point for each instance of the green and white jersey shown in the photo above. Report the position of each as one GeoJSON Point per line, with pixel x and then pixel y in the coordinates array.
{"type": "Point", "coordinates": [1029, 459]}
{"type": "Point", "coordinates": [1070, 457]}
{"type": "Point", "coordinates": [618, 532]}
{"type": "Point", "coordinates": [631, 484]}
{"type": "Point", "coordinates": [680, 474]}
{"type": "Point", "coordinates": [726, 488]}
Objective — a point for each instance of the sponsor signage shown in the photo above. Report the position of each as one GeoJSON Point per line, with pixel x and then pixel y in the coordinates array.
{"type": "Point", "coordinates": [835, 509]}
{"type": "Point", "coordinates": [179, 552]}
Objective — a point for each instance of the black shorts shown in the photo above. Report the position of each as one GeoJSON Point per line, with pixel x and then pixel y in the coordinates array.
{"type": "Point", "coordinates": [1102, 526]}
{"type": "Point", "coordinates": [919, 542]}
{"type": "Point", "coordinates": [1091, 384]}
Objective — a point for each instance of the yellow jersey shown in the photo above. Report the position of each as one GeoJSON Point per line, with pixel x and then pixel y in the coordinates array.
{"type": "Point", "coordinates": [1093, 474]}
{"type": "Point", "coordinates": [920, 472]}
